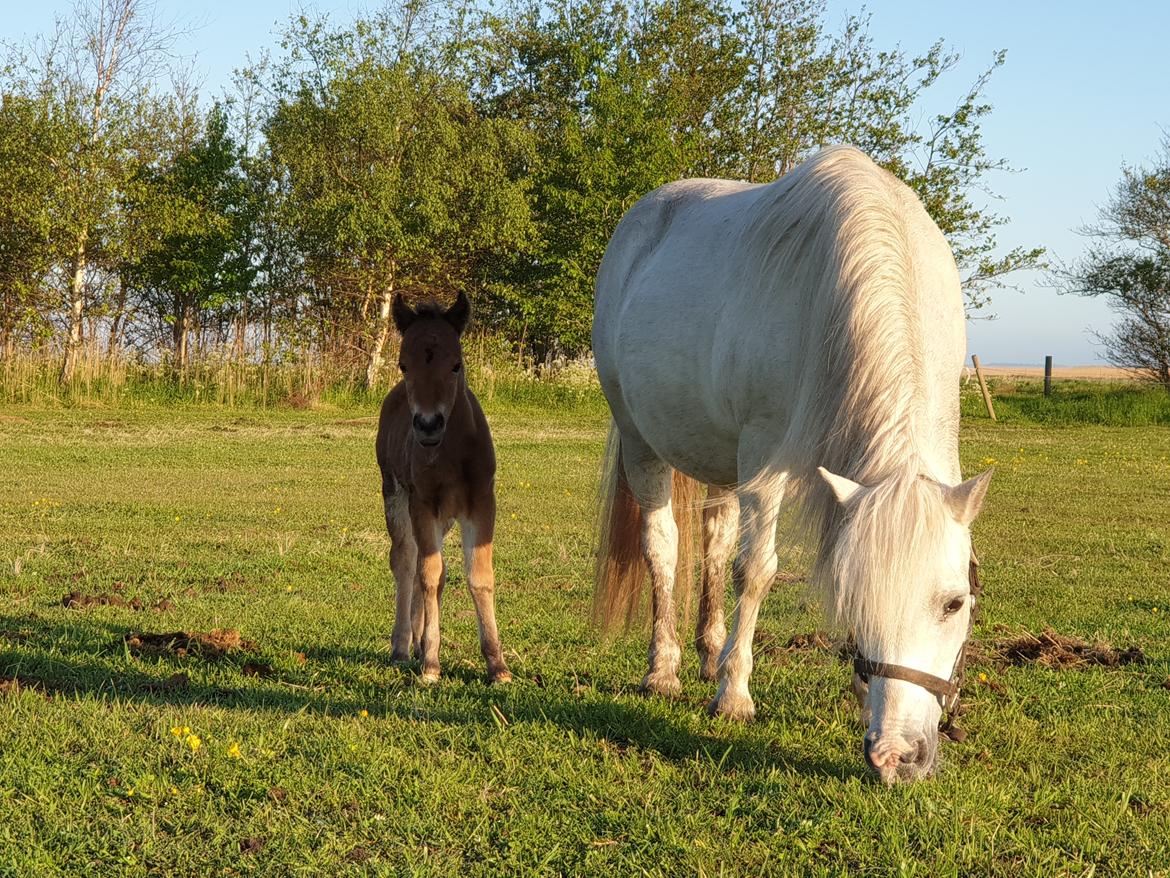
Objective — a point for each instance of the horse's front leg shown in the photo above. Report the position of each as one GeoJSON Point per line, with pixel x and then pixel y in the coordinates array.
{"type": "Point", "coordinates": [477, 531]}
{"type": "Point", "coordinates": [753, 572]}
{"type": "Point", "coordinates": [404, 566]}
{"type": "Point", "coordinates": [428, 534]}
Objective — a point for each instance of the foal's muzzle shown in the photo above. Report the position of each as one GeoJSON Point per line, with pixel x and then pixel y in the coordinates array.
{"type": "Point", "coordinates": [428, 429]}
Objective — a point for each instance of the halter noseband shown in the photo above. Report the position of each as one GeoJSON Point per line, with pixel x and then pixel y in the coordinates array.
{"type": "Point", "coordinates": [947, 690]}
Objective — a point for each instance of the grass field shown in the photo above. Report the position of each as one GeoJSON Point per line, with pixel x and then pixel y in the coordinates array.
{"type": "Point", "coordinates": [313, 754]}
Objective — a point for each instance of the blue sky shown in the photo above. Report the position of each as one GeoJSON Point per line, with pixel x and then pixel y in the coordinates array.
{"type": "Point", "coordinates": [1085, 88]}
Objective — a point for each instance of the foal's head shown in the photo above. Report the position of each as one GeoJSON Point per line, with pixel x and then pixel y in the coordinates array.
{"type": "Point", "coordinates": [899, 569]}
{"type": "Point", "coordinates": [431, 360]}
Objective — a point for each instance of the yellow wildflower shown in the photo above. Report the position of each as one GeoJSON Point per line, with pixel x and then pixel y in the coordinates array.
{"type": "Point", "coordinates": [363, 713]}
{"type": "Point", "coordinates": [234, 750]}
{"type": "Point", "coordinates": [194, 742]}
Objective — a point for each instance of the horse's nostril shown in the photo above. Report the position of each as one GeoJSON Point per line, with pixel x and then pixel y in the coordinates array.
{"type": "Point", "coordinates": [867, 745]}
{"type": "Point", "coordinates": [431, 424]}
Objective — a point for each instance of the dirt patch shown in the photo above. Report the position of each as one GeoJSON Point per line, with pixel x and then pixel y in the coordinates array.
{"type": "Point", "coordinates": [13, 686]}
{"type": "Point", "coordinates": [766, 643]}
{"type": "Point", "coordinates": [252, 845]}
{"type": "Point", "coordinates": [1052, 650]}
{"type": "Point", "coordinates": [212, 645]}
{"type": "Point", "coordinates": [75, 600]}
{"type": "Point", "coordinates": [1048, 649]}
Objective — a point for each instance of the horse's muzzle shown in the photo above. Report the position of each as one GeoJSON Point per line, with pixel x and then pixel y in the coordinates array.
{"type": "Point", "coordinates": [895, 759]}
{"type": "Point", "coordinates": [429, 429]}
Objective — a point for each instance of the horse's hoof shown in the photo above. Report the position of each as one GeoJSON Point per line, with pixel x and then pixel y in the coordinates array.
{"type": "Point", "coordinates": [504, 676]}
{"type": "Point", "coordinates": [400, 657]}
{"type": "Point", "coordinates": [429, 677]}
{"type": "Point", "coordinates": [736, 707]}
{"type": "Point", "coordinates": [709, 670]}
{"type": "Point", "coordinates": [667, 685]}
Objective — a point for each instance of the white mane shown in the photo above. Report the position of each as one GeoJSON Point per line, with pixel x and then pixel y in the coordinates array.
{"type": "Point", "coordinates": [834, 226]}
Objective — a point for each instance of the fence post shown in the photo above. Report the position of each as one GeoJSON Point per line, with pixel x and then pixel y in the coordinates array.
{"type": "Point", "coordinates": [1048, 375]}
{"type": "Point", "coordinates": [983, 387]}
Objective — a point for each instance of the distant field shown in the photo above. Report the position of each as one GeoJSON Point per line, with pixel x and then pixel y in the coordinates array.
{"type": "Point", "coordinates": [1065, 373]}
{"type": "Point", "coordinates": [307, 752]}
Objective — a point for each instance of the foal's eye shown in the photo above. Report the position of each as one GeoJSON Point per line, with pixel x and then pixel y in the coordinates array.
{"type": "Point", "coordinates": [401, 367]}
{"type": "Point", "coordinates": [954, 606]}
{"type": "Point", "coordinates": [457, 367]}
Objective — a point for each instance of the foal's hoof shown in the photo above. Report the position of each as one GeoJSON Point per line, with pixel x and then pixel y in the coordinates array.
{"type": "Point", "coordinates": [661, 683]}
{"type": "Point", "coordinates": [400, 656]}
{"type": "Point", "coordinates": [736, 707]}
{"type": "Point", "coordinates": [504, 676]}
{"type": "Point", "coordinates": [429, 677]}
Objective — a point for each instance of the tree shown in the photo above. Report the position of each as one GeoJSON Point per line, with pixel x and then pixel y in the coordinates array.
{"type": "Point", "coordinates": [32, 141]}
{"type": "Point", "coordinates": [394, 181]}
{"type": "Point", "coordinates": [97, 72]}
{"type": "Point", "coordinates": [623, 97]}
{"type": "Point", "coordinates": [194, 227]}
{"type": "Point", "coordinates": [1128, 263]}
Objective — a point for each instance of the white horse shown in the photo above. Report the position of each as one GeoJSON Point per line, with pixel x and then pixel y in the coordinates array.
{"type": "Point", "coordinates": [801, 339]}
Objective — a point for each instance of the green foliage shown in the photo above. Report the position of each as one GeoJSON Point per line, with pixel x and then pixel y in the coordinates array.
{"type": "Point", "coordinates": [1129, 265]}
{"type": "Point", "coordinates": [193, 207]}
{"type": "Point", "coordinates": [394, 181]}
{"type": "Point", "coordinates": [429, 148]}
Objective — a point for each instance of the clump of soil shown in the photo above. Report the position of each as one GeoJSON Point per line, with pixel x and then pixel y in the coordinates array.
{"type": "Point", "coordinates": [1052, 650]}
{"type": "Point", "coordinates": [75, 600]}
{"type": "Point", "coordinates": [211, 645]}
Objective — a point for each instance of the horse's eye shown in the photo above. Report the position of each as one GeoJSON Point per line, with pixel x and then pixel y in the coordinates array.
{"type": "Point", "coordinates": [457, 367]}
{"type": "Point", "coordinates": [402, 367]}
{"type": "Point", "coordinates": [954, 606]}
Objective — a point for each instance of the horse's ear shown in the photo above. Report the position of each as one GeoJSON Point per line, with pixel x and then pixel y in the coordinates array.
{"type": "Point", "coordinates": [459, 313]}
{"type": "Point", "coordinates": [404, 315]}
{"type": "Point", "coordinates": [964, 501]}
{"type": "Point", "coordinates": [843, 489]}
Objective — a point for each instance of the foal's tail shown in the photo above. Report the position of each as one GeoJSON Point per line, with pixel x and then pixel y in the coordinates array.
{"type": "Point", "coordinates": [621, 568]}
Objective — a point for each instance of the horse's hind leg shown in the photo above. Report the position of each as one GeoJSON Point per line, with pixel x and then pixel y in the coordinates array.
{"type": "Point", "coordinates": [650, 481]}
{"type": "Point", "coordinates": [404, 566]}
{"type": "Point", "coordinates": [719, 529]}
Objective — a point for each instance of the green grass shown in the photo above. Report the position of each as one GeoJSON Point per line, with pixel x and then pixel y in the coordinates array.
{"type": "Point", "coordinates": [1071, 402]}
{"type": "Point", "coordinates": [269, 521]}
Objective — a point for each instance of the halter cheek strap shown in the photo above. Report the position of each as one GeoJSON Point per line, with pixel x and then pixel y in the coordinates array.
{"type": "Point", "coordinates": [947, 690]}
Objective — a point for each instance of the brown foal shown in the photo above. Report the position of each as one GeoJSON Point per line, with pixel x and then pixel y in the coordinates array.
{"type": "Point", "coordinates": [438, 466]}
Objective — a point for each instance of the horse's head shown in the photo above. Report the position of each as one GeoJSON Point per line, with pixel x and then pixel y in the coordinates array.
{"type": "Point", "coordinates": [899, 568]}
{"type": "Point", "coordinates": [431, 360]}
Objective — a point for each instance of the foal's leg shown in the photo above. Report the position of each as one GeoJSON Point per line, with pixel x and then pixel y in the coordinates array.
{"type": "Point", "coordinates": [428, 533]}
{"type": "Point", "coordinates": [649, 479]}
{"type": "Point", "coordinates": [753, 572]}
{"type": "Point", "coordinates": [404, 566]}
{"type": "Point", "coordinates": [476, 531]}
{"type": "Point", "coordinates": [719, 529]}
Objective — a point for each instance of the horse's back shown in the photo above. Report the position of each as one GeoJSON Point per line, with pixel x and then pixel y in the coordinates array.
{"type": "Point", "coordinates": [716, 301]}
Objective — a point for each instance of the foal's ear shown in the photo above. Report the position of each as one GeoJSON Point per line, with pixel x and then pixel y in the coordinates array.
{"type": "Point", "coordinates": [404, 315]}
{"type": "Point", "coordinates": [459, 313]}
{"type": "Point", "coordinates": [843, 489]}
{"type": "Point", "coordinates": [964, 501]}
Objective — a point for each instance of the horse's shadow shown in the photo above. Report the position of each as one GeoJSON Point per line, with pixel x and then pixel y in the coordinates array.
{"type": "Point", "coordinates": [70, 661]}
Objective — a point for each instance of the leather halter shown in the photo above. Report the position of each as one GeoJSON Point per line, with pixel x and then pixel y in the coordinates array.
{"type": "Point", "coordinates": [946, 690]}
